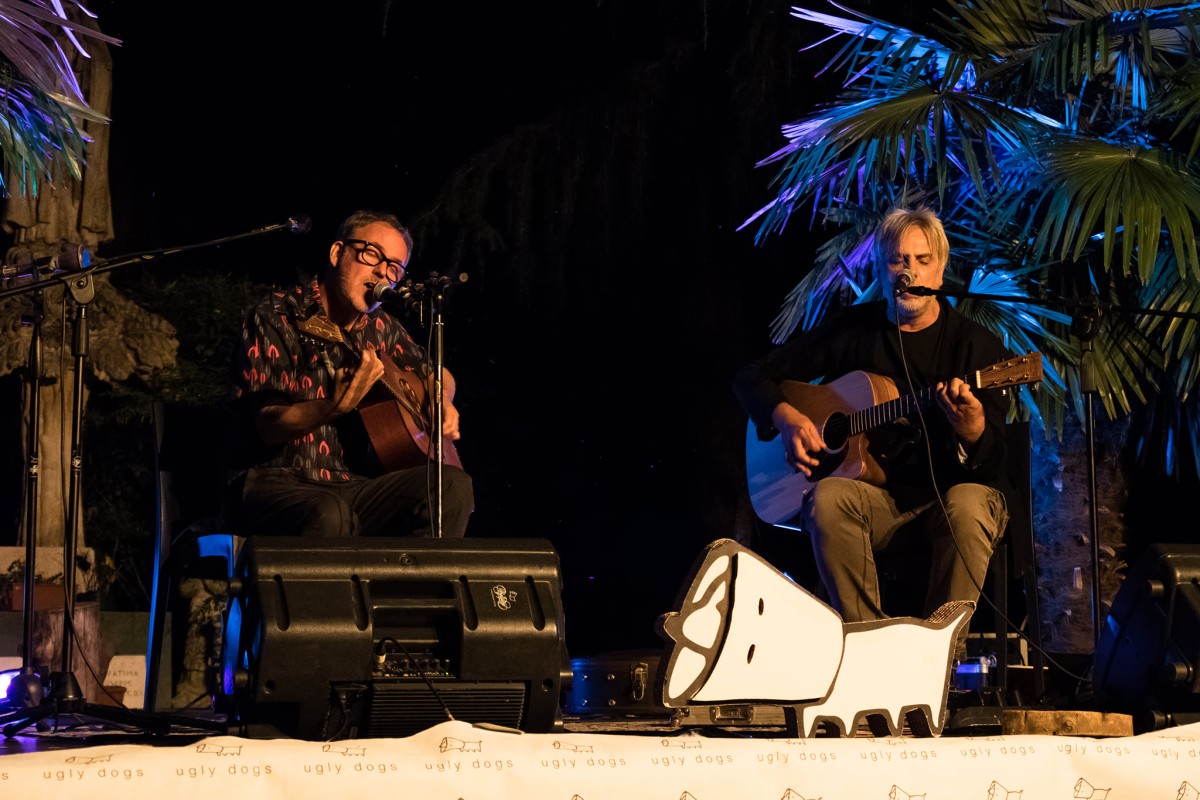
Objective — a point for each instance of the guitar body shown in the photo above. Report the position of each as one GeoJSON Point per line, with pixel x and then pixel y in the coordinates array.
{"type": "Point", "coordinates": [776, 490]}
{"type": "Point", "coordinates": [392, 413]}
{"type": "Point", "coordinates": [853, 414]}
{"type": "Point", "coordinates": [397, 439]}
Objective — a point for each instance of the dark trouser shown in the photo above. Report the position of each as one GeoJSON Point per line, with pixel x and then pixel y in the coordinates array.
{"type": "Point", "coordinates": [849, 521]}
{"type": "Point", "coordinates": [279, 502]}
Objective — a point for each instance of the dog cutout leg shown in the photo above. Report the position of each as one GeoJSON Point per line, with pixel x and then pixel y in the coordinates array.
{"type": "Point", "coordinates": [892, 670]}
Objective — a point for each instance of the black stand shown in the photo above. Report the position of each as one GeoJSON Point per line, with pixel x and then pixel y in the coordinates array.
{"type": "Point", "coordinates": [433, 289]}
{"type": "Point", "coordinates": [437, 296]}
{"type": "Point", "coordinates": [64, 695]}
{"type": "Point", "coordinates": [26, 689]}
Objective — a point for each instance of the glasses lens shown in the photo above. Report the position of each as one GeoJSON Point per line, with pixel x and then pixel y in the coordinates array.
{"type": "Point", "coordinates": [372, 256]}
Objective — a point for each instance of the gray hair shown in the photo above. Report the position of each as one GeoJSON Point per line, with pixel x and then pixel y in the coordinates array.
{"type": "Point", "coordinates": [896, 224]}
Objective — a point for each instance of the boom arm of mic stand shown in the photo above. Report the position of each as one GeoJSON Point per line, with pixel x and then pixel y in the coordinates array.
{"type": "Point", "coordinates": [1069, 306]}
{"type": "Point", "coordinates": [298, 224]}
{"type": "Point", "coordinates": [65, 695]}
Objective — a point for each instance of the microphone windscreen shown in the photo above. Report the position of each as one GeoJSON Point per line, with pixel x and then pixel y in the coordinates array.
{"type": "Point", "coordinates": [299, 223]}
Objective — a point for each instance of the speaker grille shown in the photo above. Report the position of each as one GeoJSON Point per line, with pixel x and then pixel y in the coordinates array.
{"type": "Point", "coordinates": [405, 708]}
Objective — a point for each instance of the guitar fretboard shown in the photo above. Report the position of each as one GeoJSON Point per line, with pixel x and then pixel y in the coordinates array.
{"type": "Point", "coordinates": [890, 411]}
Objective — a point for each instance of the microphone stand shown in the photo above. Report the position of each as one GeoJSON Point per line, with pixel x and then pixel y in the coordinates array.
{"type": "Point", "coordinates": [436, 301]}
{"type": "Point", "coordinates": [1085, 324]}
{"type": "Point", "coordinates": [65, 695]}
{"type": "Point", "coordinates": [434, 289]}
{"type": "Point", "coordinates": [26, 689]}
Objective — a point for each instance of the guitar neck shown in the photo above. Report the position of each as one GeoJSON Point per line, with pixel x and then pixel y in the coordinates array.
{"type": "Point", "coordinates": [890, 411]}
{"type": "Point", "coordinates": [410, 397]}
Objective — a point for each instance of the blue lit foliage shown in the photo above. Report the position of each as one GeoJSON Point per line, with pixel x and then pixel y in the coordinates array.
{"type": "Point", "coordinates": [1058, 142]}
{"type": "Point", "coordinates": [41, 103]}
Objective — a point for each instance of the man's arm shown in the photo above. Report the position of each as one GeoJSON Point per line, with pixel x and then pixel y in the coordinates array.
{"type": "Point", "coordinates": [280, 423]}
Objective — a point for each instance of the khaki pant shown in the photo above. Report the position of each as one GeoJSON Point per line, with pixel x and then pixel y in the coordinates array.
{"type": "Point", "coordinates": [849, 521]}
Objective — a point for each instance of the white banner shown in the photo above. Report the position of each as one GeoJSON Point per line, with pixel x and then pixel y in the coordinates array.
{"type": "Point", "coordinates": [456, 760]}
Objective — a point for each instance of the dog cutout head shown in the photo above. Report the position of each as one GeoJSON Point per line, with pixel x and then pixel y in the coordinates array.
{"type": "Point", "coordinates": [746, 632]}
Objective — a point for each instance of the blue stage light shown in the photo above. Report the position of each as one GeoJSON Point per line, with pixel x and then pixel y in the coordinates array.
{"type": "Point", "coordinates": [5, 679]}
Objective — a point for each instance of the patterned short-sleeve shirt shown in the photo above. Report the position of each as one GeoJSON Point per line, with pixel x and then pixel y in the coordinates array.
{"type": "Point", "coordinates": [278, 364]}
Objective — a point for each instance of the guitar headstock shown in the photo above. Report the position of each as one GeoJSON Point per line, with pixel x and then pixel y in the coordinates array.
{"type": "Point", "coordinates": [1014, 372]}
{"type": "Point", "coordinates": [321, 328]}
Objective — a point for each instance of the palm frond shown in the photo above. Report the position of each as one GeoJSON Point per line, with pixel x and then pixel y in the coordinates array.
{"type": "Point", "coordinates": [41, 103]}
{"type": "Point", "coordinates": [1180, 102]}
{"type": "Point", "coordinates": [1088, 192]}
{"type": "Point", "coordinates": [880, 52]}
{"type": "Point", "coordinates": [996, 30]}
{"type": "Point", "coordinates": [1168, 312]}
{"type": "Point", "coordinates": [921, 135]}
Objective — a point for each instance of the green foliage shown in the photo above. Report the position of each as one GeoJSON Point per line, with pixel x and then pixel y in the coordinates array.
{"type": "Point", "coordinates": [1057, 141]}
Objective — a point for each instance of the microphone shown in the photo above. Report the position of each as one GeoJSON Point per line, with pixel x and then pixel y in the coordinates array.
{"type": "Point", "coordinates": [299, 224]}
{"type": "Point", "coordinates": [71, 259]}
{"type": "Point", "coordinates": [904, 280]}
{"type": "Point", "coordinates": [382, 293]}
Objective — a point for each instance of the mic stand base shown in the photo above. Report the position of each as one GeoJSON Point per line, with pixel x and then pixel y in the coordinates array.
{"type": "Point", "coordinates": [66, 698]}
{"type": "Point", "coordinates": [25, 691]}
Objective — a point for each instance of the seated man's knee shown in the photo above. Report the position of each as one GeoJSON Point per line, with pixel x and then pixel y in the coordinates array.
{"type": "Point", "coordinates": [327, 515]}
{"type": "Point", "coordinates": [458, 490]}
{"type": "Point", "coordinates": [829, 499]}
{"type": "Point", "coordinates": [977, 508]}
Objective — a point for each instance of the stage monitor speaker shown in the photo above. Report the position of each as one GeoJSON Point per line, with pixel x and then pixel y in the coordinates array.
{"type": "Point", "coordinates": [1148, 658]}
{"type": "Point", "coordinates": [364, 638]}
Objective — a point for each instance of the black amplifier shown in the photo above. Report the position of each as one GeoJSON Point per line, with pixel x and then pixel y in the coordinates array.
{"type": "Point", "coordinates": [341, 638]}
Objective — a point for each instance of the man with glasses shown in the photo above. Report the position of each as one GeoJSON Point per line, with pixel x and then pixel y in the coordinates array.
{"type": "Point", "coordinates": [313, 360]}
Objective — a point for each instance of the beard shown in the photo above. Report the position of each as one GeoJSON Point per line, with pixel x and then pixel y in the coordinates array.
{"type": "Point", "coordinates": [910, 306]}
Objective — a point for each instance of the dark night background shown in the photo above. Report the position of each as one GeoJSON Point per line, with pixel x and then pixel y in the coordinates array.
{"type": "Point", "coordinates": [610, 296]}
{"type": "Point", "coordinates": [594, 358]}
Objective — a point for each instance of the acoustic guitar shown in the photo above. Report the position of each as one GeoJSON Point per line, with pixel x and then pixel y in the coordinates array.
{"type": "Point", "coordinates": [393, 412]}
{"type": "Point", "coordinates": [849, 413]}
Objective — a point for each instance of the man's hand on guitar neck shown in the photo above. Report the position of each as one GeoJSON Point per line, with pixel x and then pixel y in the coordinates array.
{"type": "Point", "coordinates": [801, 439]}
{"type": "Point", "coordinates": [963, 410]}
{"type": "Point", "coordinates": [350, 386]}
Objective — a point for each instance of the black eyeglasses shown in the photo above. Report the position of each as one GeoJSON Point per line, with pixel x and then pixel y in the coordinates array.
{"type": "Point", "coordinates": [370, 254]}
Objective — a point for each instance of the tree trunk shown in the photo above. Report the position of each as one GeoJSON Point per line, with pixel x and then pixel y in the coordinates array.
{"type": "Point", "coordinates": [1063, 529]}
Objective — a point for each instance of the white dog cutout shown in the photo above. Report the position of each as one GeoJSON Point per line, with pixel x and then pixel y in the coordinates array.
{"type": "Point", "coordinates": [746, 633]}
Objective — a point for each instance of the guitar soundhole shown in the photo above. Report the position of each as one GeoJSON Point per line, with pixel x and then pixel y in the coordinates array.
{"type": "Point", "coordinates": [836, 432]}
